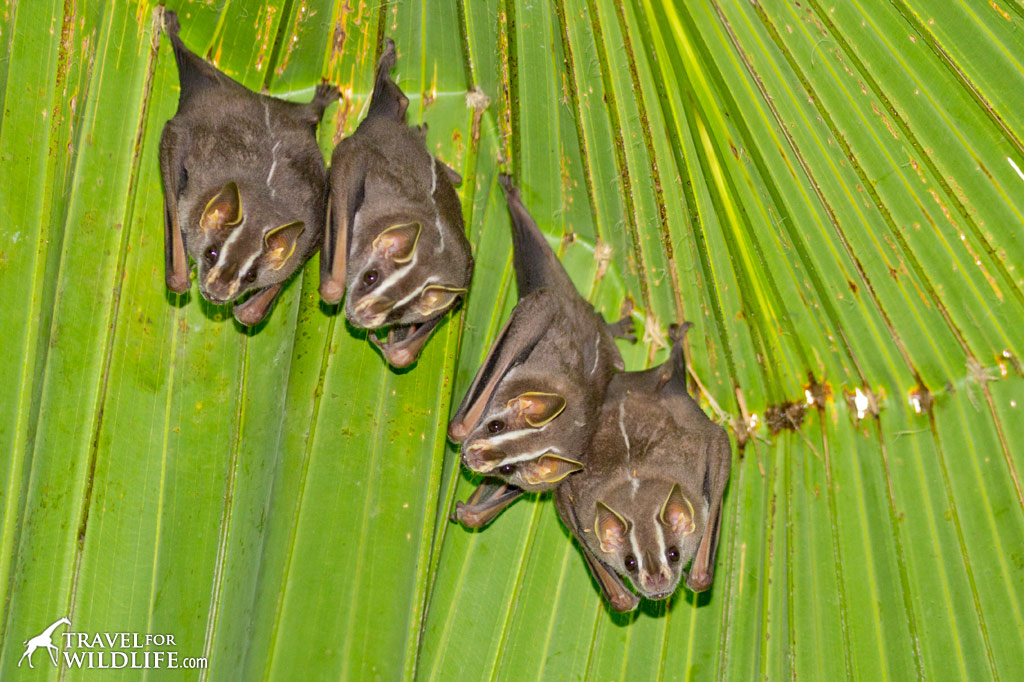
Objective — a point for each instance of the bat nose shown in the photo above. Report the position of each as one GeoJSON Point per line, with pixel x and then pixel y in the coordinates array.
{"type": "Point", "coordinates": [371, 312]}
{"type": "Point", "coordinates": [221, 285]}
{"type": "Point", "coordinates": [480, 457]}
{"type": "Point", "coordinates": [657, 582]}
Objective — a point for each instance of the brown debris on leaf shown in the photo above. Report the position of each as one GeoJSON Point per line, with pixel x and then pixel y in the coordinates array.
{"type": "Point", "coordinates": [789, 415]}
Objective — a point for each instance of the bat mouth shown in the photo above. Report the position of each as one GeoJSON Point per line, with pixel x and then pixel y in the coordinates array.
{"type": "Point", "coordinates": [403, 342]}
{"type": "Point", "coordinates": [657, 596]}
{"type": "Point", "coordinates": [215, 300]}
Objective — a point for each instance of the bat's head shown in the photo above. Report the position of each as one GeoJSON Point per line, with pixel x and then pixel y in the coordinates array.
{"type": "Point", "coordinates": [405, 279]}
{"type": "Point", "coordinates": [529, 414]}
{"type": "Point", "coordinates": [241, 241]}
{"type": "Point", "coordinates": [530, 433]}
{"type": "Point", "coordinates": [648, 529]}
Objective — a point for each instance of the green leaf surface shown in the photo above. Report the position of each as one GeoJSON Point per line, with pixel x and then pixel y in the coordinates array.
{"type": "Point", "coordinates": [832, 194]}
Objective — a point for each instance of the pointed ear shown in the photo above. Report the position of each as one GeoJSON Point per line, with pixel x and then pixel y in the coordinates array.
{"type": "Point", "coordinates": [611, 529]}
{"type": "Point", "coordinates": [538, 408]}
{"type": "Point", "coordinates": [677, 512]}
{"type": "Point", "coordinates": [436, 298]}
{"type": "Point", "coordinates": [549, 469]}
{"type": "Point", "coordinates": [223, 210]}
{"type": "Point", "coordinates": [280, 243]}
{"type": "Point", "coordinates": [398, 243]}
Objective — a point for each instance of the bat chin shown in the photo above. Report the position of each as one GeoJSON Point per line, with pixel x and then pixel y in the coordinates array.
{"type": "Point", "coordinates": [401, 347]}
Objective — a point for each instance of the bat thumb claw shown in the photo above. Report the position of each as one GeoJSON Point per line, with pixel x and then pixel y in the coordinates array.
{"type": "Point", "coordinates": [699, 581]}
{"type": "Point", "coordinates": [331, 292]}
{"type": "Point", "coordinates": [178, 284]}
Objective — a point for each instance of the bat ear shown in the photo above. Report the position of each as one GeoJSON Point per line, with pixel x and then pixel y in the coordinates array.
{"type": "Point", "coordinates": [224, 209]}
{"type": "Point", "coordinates": [398, 242]}
{"type": "Point", "coordinates": [538, 408]}
{"type": "Point", "coordinates": [677, 512]}
{"type": "Point", "coordinates": [611, 529]}
{"type": "Point", "coordinates": [436, 298]}
{"type": "Point", "coordinates": [549, 469]}
{"type": "Point", "coordinates": [280, 243]}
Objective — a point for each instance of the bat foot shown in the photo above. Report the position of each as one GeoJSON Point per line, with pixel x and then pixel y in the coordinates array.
{"type": "Point", "coordinates": [677, 332]}
{"type": "Point", "coordinates": [511, 191]}
{"type": "Point", "coordinates": [388, 53]}
{"type": "Point", "coordinates": [623, 329]}
{"type": "Point", "coordinates": [325, 94]}
{"type": "Point", "coordinates": [171, 22]}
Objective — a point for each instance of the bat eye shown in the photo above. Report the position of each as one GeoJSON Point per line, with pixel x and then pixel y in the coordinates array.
{"type": "Point", "coordinates": [369, 277]}
{"type": "Point", "coordinates": [495, 426]}
{"type": "Point", "coordinates": [507, 469]}
{"type": "Point", "coordinates": [250, 276]}
{"type": "Point", "coordinates": [210, 256]}
{"type": "Point", "coordinates": [630, 562]}
{"type": "Point", "coordinates": [673, 554]}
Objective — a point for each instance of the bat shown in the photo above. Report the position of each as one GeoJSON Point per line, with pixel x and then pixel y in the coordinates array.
{"type": "Point", "coordinates": [529, 413]}
{"type": "Point", "coordinates": [245, 187]}
{"type": "Point", "coordinates": [395, 241]}
{"type": "Point", "coordinates": [650, 498]}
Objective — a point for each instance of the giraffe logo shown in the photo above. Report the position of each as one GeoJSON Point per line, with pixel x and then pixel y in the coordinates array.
{"type": "Point", "coordinates": [43, 639]}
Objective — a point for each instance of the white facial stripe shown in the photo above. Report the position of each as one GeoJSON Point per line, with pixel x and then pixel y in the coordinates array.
{"type": "Point", "coordinates": [622, 426]}
{"type": "Point", "coordinates": [513, 435]}
{"type": "Point", "coordinates": [248, 264]}
{"type": "Point", "coordinates": [397, 276]}
{"type": "Point", "coordinates": [226, 246]}
{"type": "Point", "coordinates": [661, 538]}
{"type": "Point", "coordinates": [636, 550]}
{"type": "Point", "coordinates": [414, 294]}
{"type": "Point", "coordinates": [530, 455]}
{"type": "Point", "coordinates": [437, 217]}
{"type": "Point", "coordinates": [273, 167]}
{"type": "Point", "coordinates": [597, 354]}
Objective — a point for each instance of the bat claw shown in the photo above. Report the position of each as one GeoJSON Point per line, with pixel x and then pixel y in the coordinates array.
{"type": "Point", "coordinates": [623, 329]}
{"type": "Point", "coordinates": [331, 291]}
{"type": "Point", "coordinates": [178, 284]}
{"type": "Point", "coordinates": [325, 93]}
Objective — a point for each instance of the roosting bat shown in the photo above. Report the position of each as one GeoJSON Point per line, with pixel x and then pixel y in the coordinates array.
{"type": "Point", "coordinates": [396, 240]}
{"type": "Point", "coordinates": [245, 188]}
{"type": "Point", "coordinates": [530, 411]}
{"type": "Point", "coordinates": [650, 497]}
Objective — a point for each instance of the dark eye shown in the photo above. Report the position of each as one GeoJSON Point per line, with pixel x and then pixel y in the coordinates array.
{"type": "Point", "coordinates": [369, 277]}
{"type": "Point", "coordinates": [507, 469]}
{"type": "Point", "coordinates": [250, 276]}
{"type": "Point", "coordinates": [495, 426]}
{"type": "Point", "coordinates": [630, 562]}
{"type": "Point", "coordinates": [673, 554]}
{"type": "Point", "coordinates": [210, 256]}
